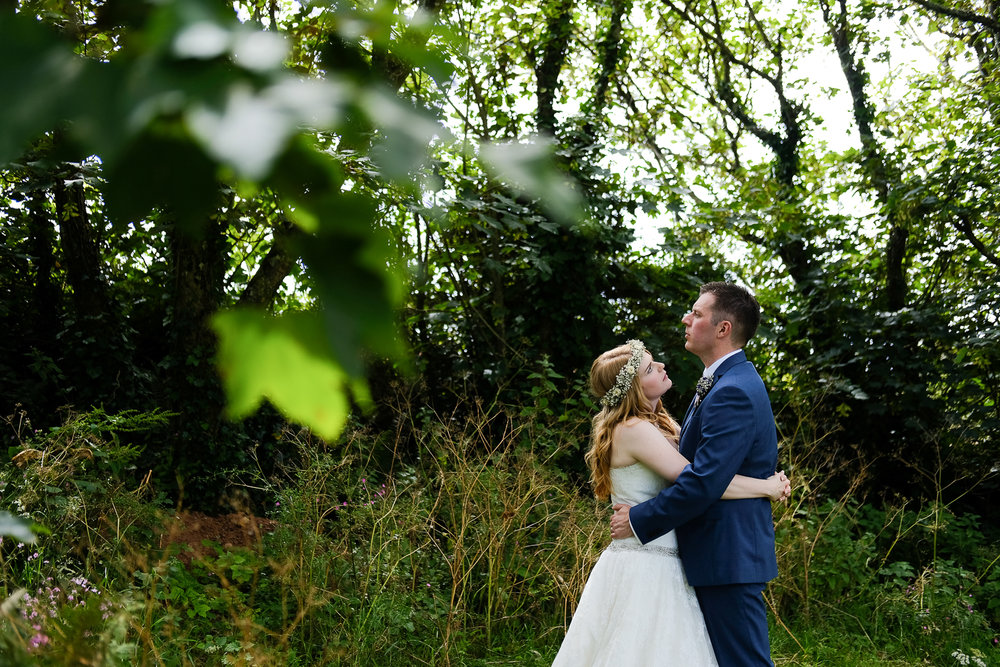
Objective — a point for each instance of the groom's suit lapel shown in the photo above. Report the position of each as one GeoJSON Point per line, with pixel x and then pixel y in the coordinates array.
{"type": "Point", "coordinates": [688, 414]}
{"type": "Point", "coordinates": [719, 372]}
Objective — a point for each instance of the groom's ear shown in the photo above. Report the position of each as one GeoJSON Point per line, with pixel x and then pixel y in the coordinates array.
{"type": "Point", "coordinates": [725, 328]}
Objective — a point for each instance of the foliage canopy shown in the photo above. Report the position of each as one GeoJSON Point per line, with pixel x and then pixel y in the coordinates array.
{"type": "Point", "coordinates": [353, 190]}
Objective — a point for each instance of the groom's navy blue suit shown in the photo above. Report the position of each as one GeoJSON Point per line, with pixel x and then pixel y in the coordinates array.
{"type": "Point", "coordinates": [727, 546]}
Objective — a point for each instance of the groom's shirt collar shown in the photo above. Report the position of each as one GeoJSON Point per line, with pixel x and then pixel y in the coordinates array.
{"type": "Point", "coordinates": [710, 371]}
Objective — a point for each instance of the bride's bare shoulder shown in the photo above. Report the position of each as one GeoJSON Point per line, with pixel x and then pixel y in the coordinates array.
{"type": "Point", "coordinates": [635, 427]}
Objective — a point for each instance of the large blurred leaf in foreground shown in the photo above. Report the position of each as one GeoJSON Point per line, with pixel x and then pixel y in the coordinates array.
{"type": "Point", "coordinates": [529, 168]}
{"type": "Point", "coordinates": [19, 529]}
{"type": "Point", "coordinates": [195, 103]}
{"type": "Point", "coordinates": [286, 359]}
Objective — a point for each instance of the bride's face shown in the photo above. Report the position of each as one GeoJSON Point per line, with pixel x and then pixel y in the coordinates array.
{"type": "Point", "coordinates": [653, 378]}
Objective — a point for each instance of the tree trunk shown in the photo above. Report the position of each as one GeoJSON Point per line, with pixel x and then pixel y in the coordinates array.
{"type": "Point", "coordinates": [895, 269]}
{"type": "Point", "coordinates": [558, 29]}
{"type": "Point", "coordinates": [198, 272]}
{"type": "Point", "coordinates": [880, 177]}
{"type": "Point", "coordinates": [198, 269]}
{"type": "Point", "coordinates": [81, 250]}
{"type": "Point", "coordinates": [264, 285]}
{"type": "Point", "coordinates": [46, 293]}
{"type": "Point", "coordinates": [610, 52]}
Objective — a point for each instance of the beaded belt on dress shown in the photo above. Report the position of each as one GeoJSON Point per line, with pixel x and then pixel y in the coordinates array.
{"type": "Point", "coordinates": [624, 545]}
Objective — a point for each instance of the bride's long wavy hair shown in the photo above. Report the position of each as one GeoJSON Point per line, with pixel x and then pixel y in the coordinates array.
{"type": "Point", "coordinates": [603, 373]}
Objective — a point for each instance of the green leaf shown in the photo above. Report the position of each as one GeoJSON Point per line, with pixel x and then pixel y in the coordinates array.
{"type": "Point", "coordinates": [288, 360]}
{"type": "Point", "coordinates": [248, 133]}
{"type": "Point", "coordinates": [40, 73]}
{"type": "Point", "coordinates": [19, 529]}
{"type": "Point", "coordinates": [530, 168]}
{"type": "Point", "coordinates": [180, 180]}
{"type": "Point", "coordinates": [350, 263]}
{"type": "Point", "coordinates": [405, 133]}
{"type": "Point", "coordinates": [249, 130]}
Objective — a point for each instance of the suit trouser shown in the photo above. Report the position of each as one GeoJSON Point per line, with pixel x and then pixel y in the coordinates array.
{"type": "Point", "coordinates": [737, 623]}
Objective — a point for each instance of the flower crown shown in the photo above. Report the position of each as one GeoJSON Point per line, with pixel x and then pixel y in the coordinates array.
{"type": "Point", "coordinates": [625, 376]}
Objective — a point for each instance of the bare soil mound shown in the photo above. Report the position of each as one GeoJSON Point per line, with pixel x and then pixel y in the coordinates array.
{"type": "Point", "coordinates": [230, 531]}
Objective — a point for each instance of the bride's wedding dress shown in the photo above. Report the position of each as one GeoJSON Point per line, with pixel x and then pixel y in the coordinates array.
{"type": "Point", "coordinates": [637, 608]}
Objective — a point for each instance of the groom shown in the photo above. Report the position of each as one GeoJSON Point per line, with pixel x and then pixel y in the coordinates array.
{"type": "Point", "coordinates": [727, 546]}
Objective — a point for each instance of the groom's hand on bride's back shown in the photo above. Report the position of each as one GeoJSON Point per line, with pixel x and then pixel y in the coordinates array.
{"type": "Point", "coordinates": [620, 527]}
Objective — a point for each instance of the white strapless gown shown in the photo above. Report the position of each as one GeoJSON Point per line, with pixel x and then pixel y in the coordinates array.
{"type": "Point", "coordinates": [637, 608]}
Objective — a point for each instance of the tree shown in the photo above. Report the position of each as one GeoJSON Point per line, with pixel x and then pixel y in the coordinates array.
{"type": "Point", "coordinates": [871, 318]}
{"type": "Point", "coordinates": [423, 183]}
{"type": "Point", "coordinates": [218, 173]}
{"type": "Point", "coordinates": [162, 94]}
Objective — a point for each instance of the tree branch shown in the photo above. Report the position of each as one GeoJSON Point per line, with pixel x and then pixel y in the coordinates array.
{"type": "Point", "coordinates": [263, 286]}
{"type": "Point", "coordinates": [785, 147]}
{"type": "Point", "coordinates": [960, 14]}
{"type": "Point", "coordinates": [963, 225]}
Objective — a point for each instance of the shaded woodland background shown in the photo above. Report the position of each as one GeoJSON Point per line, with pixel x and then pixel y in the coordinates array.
{"type": "Point", "coordinates": [437, 201]}
{"type": "Point", "coordinates": [344, 266]}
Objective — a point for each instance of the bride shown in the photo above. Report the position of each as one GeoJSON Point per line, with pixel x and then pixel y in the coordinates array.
{"type": "Point", "coordinates": [637, 608]}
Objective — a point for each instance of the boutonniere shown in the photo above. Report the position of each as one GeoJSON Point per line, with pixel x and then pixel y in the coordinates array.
{"type": "Point", "coordinates": [704, 384]}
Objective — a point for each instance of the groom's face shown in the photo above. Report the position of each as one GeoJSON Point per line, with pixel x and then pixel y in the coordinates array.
{"type": "Point", "coordinates": [699, 332]}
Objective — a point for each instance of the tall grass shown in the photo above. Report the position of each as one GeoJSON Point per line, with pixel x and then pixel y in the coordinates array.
{"type": "Point", "coordinates": [904, 582]}
{"type": "Point", "coordinates": [472, 551]}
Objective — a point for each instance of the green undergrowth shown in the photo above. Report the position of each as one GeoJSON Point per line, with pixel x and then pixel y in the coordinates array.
{"type": "Point", "coordinates": [472, 553]}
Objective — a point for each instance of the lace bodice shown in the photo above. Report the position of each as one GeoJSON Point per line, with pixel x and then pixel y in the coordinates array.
{"type": "Point", "coordinates": [635, 483]}
{"type": "Point", "coordinates": [632, 485]}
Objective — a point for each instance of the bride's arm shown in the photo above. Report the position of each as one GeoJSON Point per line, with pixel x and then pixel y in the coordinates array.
{"type": "Point", "coordinates": [776, 487]}
{"type": "Point", "coordinates": [643, 442]}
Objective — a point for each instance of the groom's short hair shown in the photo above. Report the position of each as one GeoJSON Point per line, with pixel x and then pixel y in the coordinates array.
{"type": "Point", "coordinates": [736, 304]}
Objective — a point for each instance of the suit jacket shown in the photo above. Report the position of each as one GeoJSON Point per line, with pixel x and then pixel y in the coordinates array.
{"type": "Point", "coordinates": [731, 431]}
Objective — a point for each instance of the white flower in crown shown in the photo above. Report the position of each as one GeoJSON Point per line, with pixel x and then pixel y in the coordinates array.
{"type": "Point", "coordinates": [625, 376]}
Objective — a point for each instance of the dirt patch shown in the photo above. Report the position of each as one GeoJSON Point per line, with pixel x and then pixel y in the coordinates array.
{"type": "Point", "coordinates": [191, 529]}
